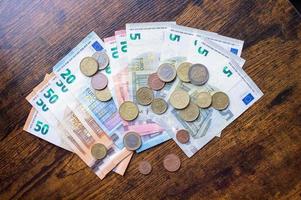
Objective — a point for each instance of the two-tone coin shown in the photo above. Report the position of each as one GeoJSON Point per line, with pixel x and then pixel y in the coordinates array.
{"type": "Point", "coordinates": [167, 72]}
{"type": "Point", "coordinates": [99, 151]}
{"type": "Point", "coordinates": [198, 74]}
{"type": "Point", "coordinates": [190, 113]}
{"type": "Point", "coordinates": [128, 111]}
{"type": "Point", "coordinates": [88, 66]}
{"type": "Point", "coordinates": [144, 167]}
{"type": "Point", "coordinates": [99, 81]}
{"type": "Point", "coordinates": [179, 99]}
{"type": "Point", "coordinates": [132, 141]}
{"type": "Point", "coordinates": [144, 96]}
{"type": "Point", "coordinates": [182, 136]}
{"type": "Point", "coordinates": [220, 100]}
{"type": "Point", "coordinates": [182, 71]}
{"type": "Point", "coordinates": [154, 82]}
{"type": "Point", "coordinates": [103, 95]}
{"type": "Point", "coordinates": [102, 59]}
{"type": "Point", "coordinates": [159, 106]}
{"type": "Point", "coordinates": [172, 162]}
{"type": "Point", "coordinates": [203, 99]}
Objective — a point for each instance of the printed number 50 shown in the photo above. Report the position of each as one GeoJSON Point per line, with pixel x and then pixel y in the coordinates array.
{"type": "Point", "coordinates": [40, 127]}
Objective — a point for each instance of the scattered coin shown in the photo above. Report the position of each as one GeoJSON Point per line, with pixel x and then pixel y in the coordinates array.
{"type": "Point", "coordinates": [183, 136]}
{"type": "Point", "coordinates": [145, 167]}
{"type": "Point", "coordinates": [171, 162]}
{"type": "Point", "coordinates": [144, 96]}
{"type": "Point", "coordinates": [182, 71]}
{"type": "Point", "coordinates": [99, 151]}
{"type": "Point", "coordinates": [179, 99]}
{"type": "Point", "coordinates": [190, 113]}
{"type": "Point", "coordinates": [155, 82]}
{"type": "Point", "coordinates": [99, 81]}
{"type": "Point", "coordinates": [198, 74]}
{"type": "Point", "coordinates": [88, 66]}
{"type": "Point", "coordinates": [132, 141]}
{"type": "Point", "coordinates": [103, 95]}
{"type": "Point", "coordinates": [159, 106]}
{"type": "Point", "coordinates": [128, 111]}
{"type": "Point", "coordinates": [167, 72]}
{"type": "Point", "coordinates": [102, 59]}
{"type": "Point", "coordinates": [220, 100]}
{"type": "Point", "coordinates": [203, 99]}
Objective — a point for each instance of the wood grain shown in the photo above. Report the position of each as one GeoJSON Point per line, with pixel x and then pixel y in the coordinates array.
{"type": "Point", "coordinates": [257, 157]}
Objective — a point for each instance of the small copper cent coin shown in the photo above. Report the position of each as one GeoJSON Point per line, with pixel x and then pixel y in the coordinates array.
{"type": "Point", "coordinates": [183, 136]}
{"type": "Point", "coordinates": [198, 74]}
{"type": "Point", "coordinates": [167, 72]}
{"type": "Point", "coordinates": [154, 82]}
{"type": "Point", "coordinates": [128, 111]}
{"type": "Point", "coordinates": [144, 96]}
{"type": "Point", "coordinates": [99, 151]}
{"type": "Point", "coordinates": [172, 162]}
{"type": "Point", "coordinates": [132, 141]}
{"type": "Point", "coordinates": [99, 81]}
{"type": "Point", "coordinates": [220, 100]}
{"type": "Point", "coordinates": [88, 66]}
{"type": "Point", "coordinates": [144, 167]}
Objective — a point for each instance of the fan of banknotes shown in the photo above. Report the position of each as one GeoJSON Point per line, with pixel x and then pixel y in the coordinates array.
{"type": "Point", "coordinates": [147, 84]}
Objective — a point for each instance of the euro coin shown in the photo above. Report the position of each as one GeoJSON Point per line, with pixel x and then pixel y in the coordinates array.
{"type": "Point", "coordinates": [132, 141]}
{"type": "Point", "coordinates": [220, 100]}
{"type": "Point", "coordinates": [103, 95]}
{"type": "Point", "coordinates": [179, 99]}
{"type": "Point", "coordinates": [183, 136]}
{"type": "Point", "coordinates": [198, 74]}
{"type": "Point", "coordinates": [204, 99]}
{"type": "Point", "coordinates": [144, 167]}
{"type": "Point", "coordinates": [128, 111]}
{"type": "Point", "coordinates": [190, 113]}
{"type": "Point", "coordinates": [99, 81]}
{"type": "Point", "coordinates": [167, 72]}
{"type": "Point", "coordinates": [144, 96]}
{"type": "Point", "coordinates": [102, 59]}
{"type": "Point", "coordinates": [99, 151]}
{"type": "Point", "coordinates": [159, 106]}
{"type": "Point", "coordinates": [154, 82]}
{"type": "Point", "coordinates": [171, 162]}
{"type": "Point", "coordinates": [182, 71]}
{"type": "Point", "coordinates": [88, 66]}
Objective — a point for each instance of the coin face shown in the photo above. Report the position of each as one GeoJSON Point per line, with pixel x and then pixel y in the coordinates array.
{"type": "Point", "coordinates": [88, 66]}
{"type": "Point", "coordinates": [103, 95]}
{"type": "Point", "coordinates": [220, 100]}
{"type": "Point", "coordinates": [203, 99]}
{"type": "Point", "coordinates": [179, 99]}
{"type": "Point", "coordinates": [132, 141]}
{"type": "Point", "coordinates": [167, 72]}
{"type": "Point", "coordinates": [198, 74]}
{"type": "Point", "coordinates": [102, 59]}
{"type": "Point", "coordinates": [99, 151]}
{"type": "Point", "coordinates": [154, 82]}
{"type": "Point", "coordinates": [190, 113]}
{"type": "Point", "coordinates": [183, 136]}
{"type": "Point", "coordinates": [99, 81]}
{"type": "Point", "coordinates": [144, 96]}
{"type": "Point", "coordinates": [182, 71]}
{"type": "Point", "coordinates": [159, 106]}
{"type": "Point", "coordinates": [144, 167]}
{"type": "Point", "coordinates": [172, 162]}
{"type": "Point", "coordinates": [128, 111]}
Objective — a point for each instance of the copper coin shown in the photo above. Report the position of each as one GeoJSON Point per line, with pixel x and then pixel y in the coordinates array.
{"type": "Point", "coordinates": [182, 136]}
{"type": "Point", "coordinates": [99, 81]}
{"type": "Point", "coordinates": [144, 167]}
{"type": "Point", "coordinates": [155, 82]}
{"type": "Point", "coordinates": [171, 162]}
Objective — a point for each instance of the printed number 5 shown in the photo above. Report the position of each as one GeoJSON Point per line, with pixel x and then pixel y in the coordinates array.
{"type": "Point", "coordinates": [40, 127]}
{"type": "Point", "coordinates": [135, 36]}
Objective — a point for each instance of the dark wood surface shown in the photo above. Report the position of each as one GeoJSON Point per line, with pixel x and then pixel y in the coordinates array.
{"type": "Point", "coordinates": [257, 157]}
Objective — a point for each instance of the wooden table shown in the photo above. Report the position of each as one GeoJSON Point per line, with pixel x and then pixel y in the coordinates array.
{"type": "Point", "coordinates": [257, 157]}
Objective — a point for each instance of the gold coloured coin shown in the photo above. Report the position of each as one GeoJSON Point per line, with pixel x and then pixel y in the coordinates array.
{"type": "Point", "coordinates": [128, 111]}
{"type": "Point", "coordinates": [179, 99]}
{"type": "Point", "coordinates": [103, 95]}
{"type": "Point", "coordinates": [99, 151]}
{"type": "Point", "coordinates": [203, 99]}
{"type": "Point", "coordinates": [190, 113]}
{"type": "Point", "coordinates": [144, 96]}
{"type": "Point", "coordinates": [220, 100]}
{"type": "Point", "coordinates": [88, 66]}
{"type": "Point", "coordinates": [159, 106]}
{"type": "Point", "coordinates": [182, 71]}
